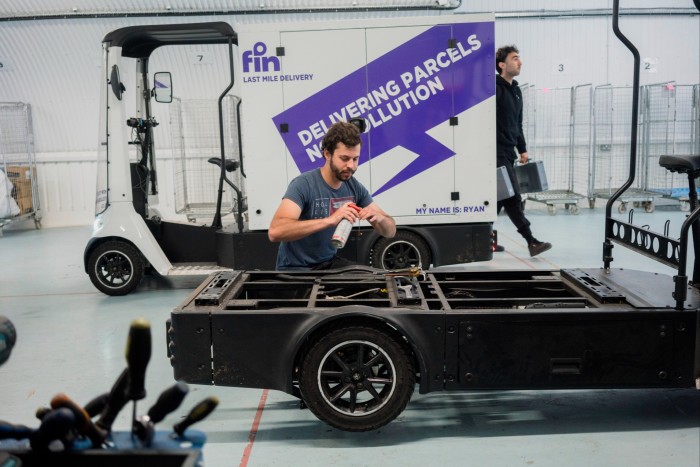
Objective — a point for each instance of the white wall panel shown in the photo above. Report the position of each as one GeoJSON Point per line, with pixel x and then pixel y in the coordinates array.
{"type": "Point", "coordinates": [558, 53]}
{"type": "Point", "coordinates": [66, 194]}
{"type": "Point", "coordinates": [673, 45]}
{"type": "Point", "coordinates": [67, 188]}
{"type": "Point", "coordinates": [590, 53]}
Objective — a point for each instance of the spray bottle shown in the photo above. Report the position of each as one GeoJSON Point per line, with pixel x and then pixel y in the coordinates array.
{"type": "Point", "coordinates": [342, 231]}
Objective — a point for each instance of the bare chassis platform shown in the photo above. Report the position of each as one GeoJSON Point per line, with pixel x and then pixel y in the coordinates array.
{"type": "Point", "coordinates": [576, 328]}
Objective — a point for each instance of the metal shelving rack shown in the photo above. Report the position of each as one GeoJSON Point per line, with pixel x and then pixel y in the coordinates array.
{"type": "Point", "coordinates": [19, 191]}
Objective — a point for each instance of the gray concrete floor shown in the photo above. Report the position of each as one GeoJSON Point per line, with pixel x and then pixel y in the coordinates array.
{"type": "Point", "coordinates": [71, 339]}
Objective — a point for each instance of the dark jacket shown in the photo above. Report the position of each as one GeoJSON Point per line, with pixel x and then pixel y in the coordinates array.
{"type": "Point", "coordinates": [509, 118]}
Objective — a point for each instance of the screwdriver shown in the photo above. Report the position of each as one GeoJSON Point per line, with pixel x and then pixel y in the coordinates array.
{"type": "Point", "coordinates": [138, 353]}
{"type": "Point", "coordinates": [168, 401]}
{"type": "Point", "coordinates": [115, 402]}
{"type": "Point", "coordinates": [198, 413]}
{"type": "Point", "coordinates": [83, 423]}
{"type": "Point", "coordinates": [11, 431]}
{"type": "Point", "coordinates": [97, 405]}
{"type": "Point", "coordinates": [55, 425]}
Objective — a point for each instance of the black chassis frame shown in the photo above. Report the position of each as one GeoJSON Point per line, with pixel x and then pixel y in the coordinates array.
{"type": "Point", "coordinates": [579, 328]}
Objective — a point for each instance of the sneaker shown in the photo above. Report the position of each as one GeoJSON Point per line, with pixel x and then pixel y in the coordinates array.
{"type": "Point", "coordinates": [537, 247]}
{"type": "Point", "coordinates": [498, 248]}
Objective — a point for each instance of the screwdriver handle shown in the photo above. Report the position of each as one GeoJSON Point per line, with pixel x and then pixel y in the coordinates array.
{"type": "Point", "coordinates": [138, 353]}
{"type": "Point", "coordinates": [55, 425]}
{"type": "Point", "coordinates": [41, 412]}
{"type": "Point", "coordinates": [82, 419]}
{"type": "Point", "coordinates": [115, 402]}
{"type": "Point", "coordinates": [97, 405]}
{"type": "Point", "coordinates": [198, 413]}
{"type": "Point", "coordinates": [168, 401]}
{"type": "Point", "coordinates": [12, 431]}
{"type": "Point", "coordinates": [83, 422]}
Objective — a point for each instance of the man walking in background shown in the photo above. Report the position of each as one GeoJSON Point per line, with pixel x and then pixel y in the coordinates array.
{"type": "Point", "coordinates": [509, 136]}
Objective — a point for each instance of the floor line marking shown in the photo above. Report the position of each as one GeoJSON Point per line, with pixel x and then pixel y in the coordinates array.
{"type": "Point", "coordinates": [254, 429]}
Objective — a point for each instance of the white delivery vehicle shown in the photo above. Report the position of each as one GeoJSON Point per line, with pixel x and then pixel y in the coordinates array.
{"type": "Point", "coordinates": [424, 86]}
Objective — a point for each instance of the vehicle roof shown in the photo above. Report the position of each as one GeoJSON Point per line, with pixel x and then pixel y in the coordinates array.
{"type": "Point", "coordinates": [141, 41]}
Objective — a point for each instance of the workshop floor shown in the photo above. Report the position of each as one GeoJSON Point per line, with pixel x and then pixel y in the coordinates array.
{"type": "Point", "coordinates": [71, 339]}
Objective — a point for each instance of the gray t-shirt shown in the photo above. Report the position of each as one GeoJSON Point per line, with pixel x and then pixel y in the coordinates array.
{"type": "Point", "coordinates": [317, 200]}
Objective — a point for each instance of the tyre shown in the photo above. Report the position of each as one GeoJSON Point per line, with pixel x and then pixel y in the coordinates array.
{"type": "Point", "coordinates": [115, 267]}
{"type": "Point", "coordinates": [357, 378]}
{"type": "Point", "coordinates": [404, 250]}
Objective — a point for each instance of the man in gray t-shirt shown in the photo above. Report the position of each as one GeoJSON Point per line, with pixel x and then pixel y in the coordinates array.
{"type": "Point", "coordinates": [316, 201]}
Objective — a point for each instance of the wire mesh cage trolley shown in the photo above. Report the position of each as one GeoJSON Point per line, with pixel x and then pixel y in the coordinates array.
{"type": "Point", "coordinates": [561, 139]}
{"type": "Point", "coordinates": [670, 121]}
{"type": "Point", "coordinates": [19, 194]}
{"type": "Point", "coordinates": [194, 127]}
{"type": "Point", "coordinates": [612, 117]}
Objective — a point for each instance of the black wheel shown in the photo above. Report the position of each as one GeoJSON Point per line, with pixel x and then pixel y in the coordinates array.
{"type": "Point", "coordinates": [357, 378]}
{"type": "Point", "coordinates": [404, 250]}
{"type": "Point", "coordinates": [115, 267]}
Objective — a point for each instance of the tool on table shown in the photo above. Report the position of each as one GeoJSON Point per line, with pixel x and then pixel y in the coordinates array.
{"type": "Point", "coordinates": [168, 401]}
{"type": "Point", "coordinates": [198, 413]}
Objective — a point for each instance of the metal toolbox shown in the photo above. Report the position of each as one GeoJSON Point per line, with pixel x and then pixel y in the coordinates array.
{"type": "Point", "coordinates": [504, 188]}
{"type": "Point", "coordinates": [531, 177]}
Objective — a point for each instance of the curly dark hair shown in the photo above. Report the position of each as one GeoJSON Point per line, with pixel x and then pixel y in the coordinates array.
{"type": "Point", "coordinates": [502, 54]}
{"type": "Point", "coordinates": [341, 132]}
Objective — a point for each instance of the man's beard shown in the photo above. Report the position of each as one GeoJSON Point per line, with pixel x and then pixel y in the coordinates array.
{"type": "Point", "coordinates": [341, 175]}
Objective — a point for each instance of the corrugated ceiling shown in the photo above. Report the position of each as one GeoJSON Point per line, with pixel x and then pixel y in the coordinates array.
{"type": "Point", "coordinates": [68, 8]}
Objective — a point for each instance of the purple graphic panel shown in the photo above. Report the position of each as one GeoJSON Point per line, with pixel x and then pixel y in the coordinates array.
{"type": "Point", "coordinates": [418, 85]}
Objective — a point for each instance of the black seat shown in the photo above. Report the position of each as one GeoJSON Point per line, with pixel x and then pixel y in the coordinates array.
{"type": "Point", "coordinates": [230, 165]}
{"type": "Point", "coordinates": [686, 164]}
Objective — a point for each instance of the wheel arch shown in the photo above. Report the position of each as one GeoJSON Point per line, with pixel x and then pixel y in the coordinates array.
{"type": "Point", "coordinates": [94, 242]}
{"type": "Point", "coordinates": [411, 337]}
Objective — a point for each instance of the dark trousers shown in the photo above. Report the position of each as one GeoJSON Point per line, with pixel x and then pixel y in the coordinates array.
{"type": "Point", "coordinates": [513, 205]}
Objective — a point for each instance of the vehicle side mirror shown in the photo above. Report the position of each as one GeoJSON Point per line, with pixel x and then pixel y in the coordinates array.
{"type": "Point", "coordinates": [115, 82]}
{"type": "Point", "coordinates": [163, 87]}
